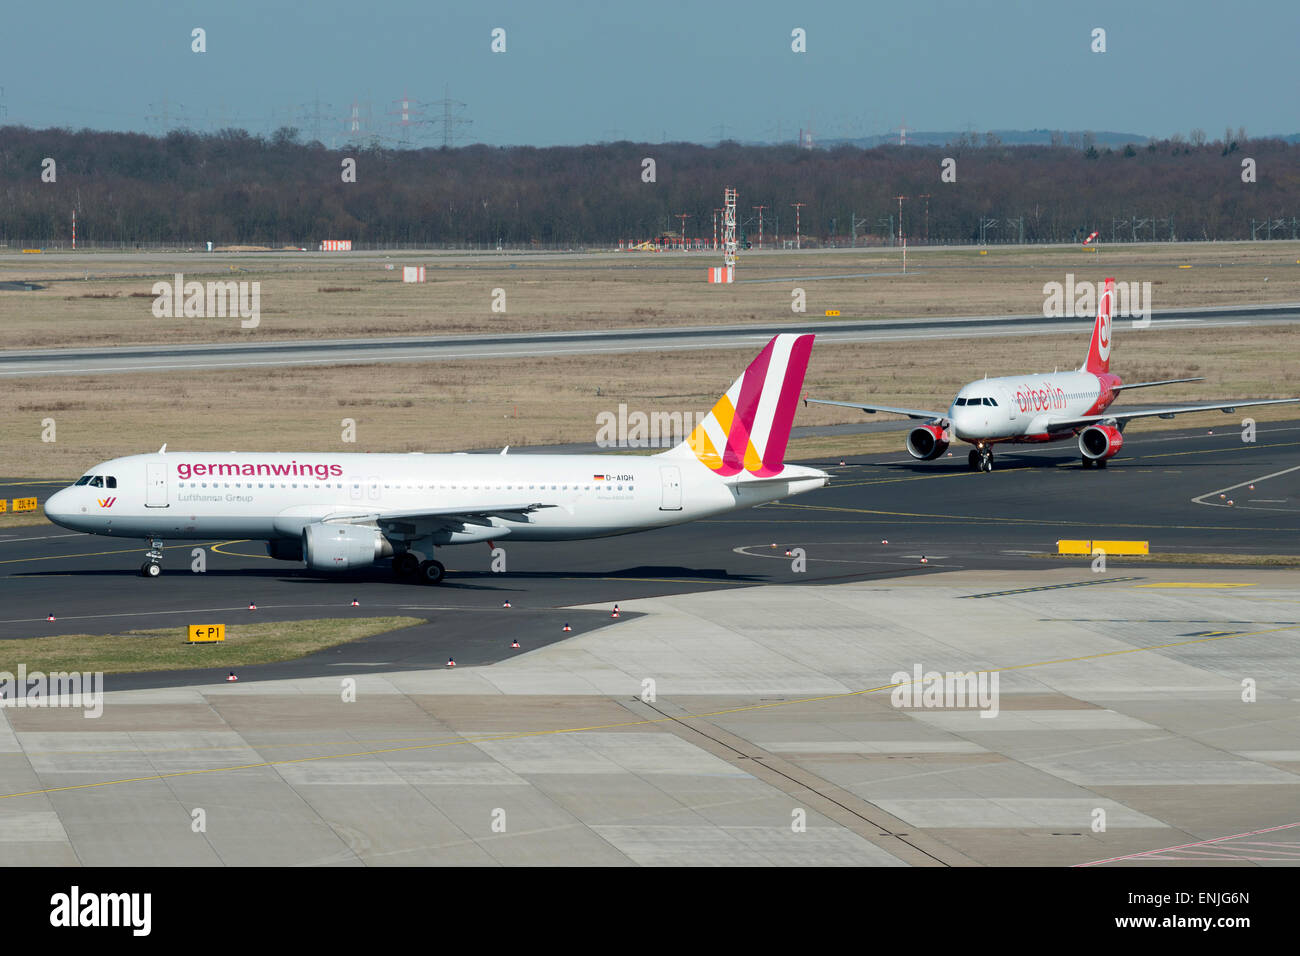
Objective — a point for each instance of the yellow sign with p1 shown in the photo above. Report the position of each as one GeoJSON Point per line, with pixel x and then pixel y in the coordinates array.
{"type": "Point", "coordinates": [206, 633]}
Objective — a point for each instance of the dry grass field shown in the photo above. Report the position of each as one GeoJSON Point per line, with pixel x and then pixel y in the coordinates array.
{"type": "Point", "coordinates": [106, 300]}
{"type": "Point", "coordinates": [478, 404]}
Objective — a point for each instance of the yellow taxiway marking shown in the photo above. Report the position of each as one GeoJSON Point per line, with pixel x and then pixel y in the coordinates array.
{"type": "Point", "coordinates": [97, 554]}
{"type": "Point", "coordinates": [1193, 584]}
{"type": "Point", "coordinates": [460, 742]}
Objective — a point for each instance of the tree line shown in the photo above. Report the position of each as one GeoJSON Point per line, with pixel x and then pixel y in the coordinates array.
{"type": "Point", "coordinates": [233, 187]}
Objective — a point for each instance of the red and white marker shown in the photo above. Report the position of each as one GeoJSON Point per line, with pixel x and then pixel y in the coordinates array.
{"type": "Point", "coordinates": [252, 606]}
{"type": "Point", "coordinates": [507, 604]}
{"type": "Point", "coordinates": [451, 662]}
{"type": "Point", "coordinates": [354, 603]}
{"type": "Point", "coordinates": [514, 643]}
{"type": "Point", "coordinates": [615, 614]}
{"type": "Point", "coordinates": [49, 617]}
{"type": "Point", "coordinates": [566, 627]}
{"type": "Point", "coordinates": [232, 677]}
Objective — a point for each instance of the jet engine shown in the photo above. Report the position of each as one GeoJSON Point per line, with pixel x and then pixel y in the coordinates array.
{"type": "Point", "coordinates": [337, 547]}
{"type": "Point", "coordinates": [926, 442]}
{"type": "Point", "coordinates": [285, 549]}
{"type": "Point", "coordinates": [1099, 442]}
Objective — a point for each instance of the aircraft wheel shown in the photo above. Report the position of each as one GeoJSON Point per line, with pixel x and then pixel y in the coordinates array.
{"type": "Point", "coordinates": [1101, 462]}
{"type": "Point", "coordinates": [405, 565]}
{"type": "Point", "coordinates": [431, 572]}
{"type": "Point", "coordinates": [150, 570]}
{"type": "Point", "coordinates": [1087, 462]}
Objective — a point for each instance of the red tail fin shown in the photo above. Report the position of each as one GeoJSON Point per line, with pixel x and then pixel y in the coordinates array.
{"type": "Point", "coordinates": [1099, 351]}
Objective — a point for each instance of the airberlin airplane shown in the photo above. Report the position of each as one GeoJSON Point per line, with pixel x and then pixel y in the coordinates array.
{"type": "Point", "coordinates": [335, 512]}
{"type": "Point", "coordinates": [1042, 408]}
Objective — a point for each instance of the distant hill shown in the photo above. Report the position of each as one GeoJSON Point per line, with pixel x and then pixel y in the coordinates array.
{"type": "Point", "coordinates": [1006, 137]}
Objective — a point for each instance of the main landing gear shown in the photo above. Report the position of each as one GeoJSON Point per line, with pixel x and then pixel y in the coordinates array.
{"type": "Point", "coordinates": [408, 565]}
{"type": "Point", "coordinates": [152, 566]}
{"type": "Point", "coordinates": [980, 459]}
{"type": "Point", "coordinates": [1090, 463]}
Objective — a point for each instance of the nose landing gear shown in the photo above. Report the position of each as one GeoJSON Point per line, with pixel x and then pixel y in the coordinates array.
{"type": "Point", "coordinates": [152, 566]}
{"type": "Point", "coordinates": [980, 459]}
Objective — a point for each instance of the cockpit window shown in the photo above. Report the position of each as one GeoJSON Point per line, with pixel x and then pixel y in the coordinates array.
{"type": "Point", "coordinates": [84, 479]}
{"type": "Point", "coordinates": [110, 482]}
{"type": "Point", "coordinates": [97, 482]}
{"type": "Point", "coordinates": [960, 401]}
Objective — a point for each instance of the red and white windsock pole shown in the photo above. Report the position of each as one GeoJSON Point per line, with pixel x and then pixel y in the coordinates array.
{"type": "Point", "coordinates": [1088, 241]}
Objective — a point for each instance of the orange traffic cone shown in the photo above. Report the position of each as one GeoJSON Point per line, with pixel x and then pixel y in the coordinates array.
{"type": "Point", "coordinates": [884, 541]}
{"type": "Point", "coordinates": [507, 604]}
{"type": "Point", "coordinates": [354, 603]}
{"type": "Point", "coordinates": [514, 643]}
{"type": "Point", "coordinates": [615, 614]}
{"type": "Point", "coordinates": [49, 617]}
{"type": "Point", "coordinates": [924, 559]}
{"type": "Point", "coordinates": [566, 626]}
{"type": "Point", "coordinates": [252, 606]}
{"type": "Point", "coordinates": [232, 677]}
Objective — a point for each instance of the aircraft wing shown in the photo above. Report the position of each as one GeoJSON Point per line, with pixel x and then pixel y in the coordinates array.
{"type": "Point", "coordinates": [1059, 424]}
{"type": "Point", "coordinates": [1168, 381]}
{"type": "Point", "coordinates": [443, 516]}
{"type": "Point", "coordinates": [872, 409]}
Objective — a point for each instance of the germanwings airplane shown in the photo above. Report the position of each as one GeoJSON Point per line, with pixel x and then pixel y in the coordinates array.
{"type": "Point", "coordinates": [1042, 408]}
{"type": "Point", "coordinates": [340, 511]}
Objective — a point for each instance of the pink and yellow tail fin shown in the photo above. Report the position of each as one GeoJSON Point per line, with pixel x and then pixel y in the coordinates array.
{"type": "Point", "coordinates": [1099, 349]}
{"type": "Point", "coordinates": [749, 426]}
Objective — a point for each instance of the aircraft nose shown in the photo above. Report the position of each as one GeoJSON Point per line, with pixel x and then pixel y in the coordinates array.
{"type": "Point", "coordinates": [59, 507]}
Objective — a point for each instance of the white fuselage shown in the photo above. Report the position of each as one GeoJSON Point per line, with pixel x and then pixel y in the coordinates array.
{"type": "Point", "coordinates": [193, 495]}
{"type": "Point", "coordinates": [1019, 407]}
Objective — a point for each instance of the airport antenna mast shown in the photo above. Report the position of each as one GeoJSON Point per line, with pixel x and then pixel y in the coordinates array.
{"type": "Point", "coordinates": [760, 224]}
{"type": "Point", "coordinates": [729, 228]}
{"type": "Point", "coordinates": [798, 242]}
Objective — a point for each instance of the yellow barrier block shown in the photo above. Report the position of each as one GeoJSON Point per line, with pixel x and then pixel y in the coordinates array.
{"type": "Point", "coordinates": [984, 252]}
{"type": "Point", "coordinates": [25, 504]}
{"type": "Point", "coordinates": [206, 633]}
{"type": "Point", "coordinates": [1184, 267]}
{"type": "Point", "coordinates": [32, 252]}
{"type": "Point", "coordinates": [4, 506]}
{"type": "Point", "coordinates": [1074, 547]}
{"type": "Point", "coordinates": [832, 311]}
{"type": "Point", "coordinates": [1121, 547]}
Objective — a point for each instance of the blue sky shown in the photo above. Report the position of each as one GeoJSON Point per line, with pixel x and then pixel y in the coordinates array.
{"type": "Point", "coordinates": [576, 72]}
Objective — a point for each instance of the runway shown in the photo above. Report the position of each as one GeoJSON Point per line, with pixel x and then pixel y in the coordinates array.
{"type": "Point", "coordinates": [1163, 487]}
{"type": "Point", "coordinates": [17, 363]}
